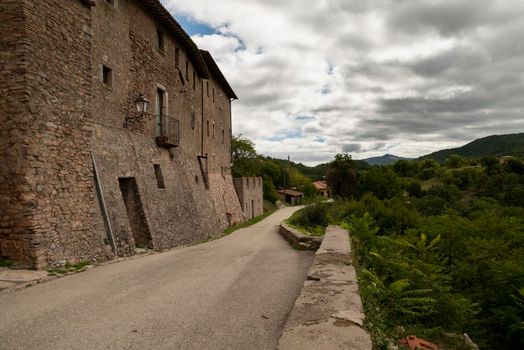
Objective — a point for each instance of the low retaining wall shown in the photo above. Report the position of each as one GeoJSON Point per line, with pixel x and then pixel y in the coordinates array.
{"type": "Point", "coordinates": [299, 239]}
{"type": "Point", "coordinates": [328, 313]}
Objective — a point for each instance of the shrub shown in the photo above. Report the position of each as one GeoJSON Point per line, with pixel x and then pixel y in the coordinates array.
{"type": "Point", "coordinates": [313, 218]}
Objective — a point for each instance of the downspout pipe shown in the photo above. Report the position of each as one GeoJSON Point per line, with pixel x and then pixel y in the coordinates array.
{"type": "Point", "coordinates": [103, 206]}
{"type": "Point", "coordinates": [202, 123]}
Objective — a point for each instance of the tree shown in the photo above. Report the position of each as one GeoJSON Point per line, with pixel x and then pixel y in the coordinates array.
{"type": "Point", "coordinates": [455, 161]}
{"type": "Point", "coordinates": [382, 182]}
{"type": "Point", "coordinates": [341, 176]}
{"type": "Point", "coordinates": [244, 157]}
{"type": "Point", "coordinates": [405, 168]}
{"type": "Point", "coordinates": [242, 148]}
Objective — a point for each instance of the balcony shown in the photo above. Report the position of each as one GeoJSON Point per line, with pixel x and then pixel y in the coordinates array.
{"type": "Point", "coordinates": [167, 131]}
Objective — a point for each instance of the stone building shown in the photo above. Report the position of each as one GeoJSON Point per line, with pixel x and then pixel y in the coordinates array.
{"type": "Point", "coordinates": [84, 175]}
{"type": "Point", "coordinates": [322, 188]}
{"type": "Point", "coordinates": [291, 196]}
{"type": "Point", "coordinates": [250, 193]}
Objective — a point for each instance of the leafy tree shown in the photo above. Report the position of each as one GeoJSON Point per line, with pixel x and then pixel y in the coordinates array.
{"type": "Point", "coordinates": [341, 176]}
{"type": "Point", "coordinates": [242, 148]}
{"type": "Point", "coordinates": [382, 182]}
{"type": "Point", "coordinates": [302, 183]}
{"type": "Point", "coordinates": [514, 165]}
{"type": "Point", "coordinates": [405, 168]}
{"type": "Point", "coordinates": [491, 164]}
{"type": "Point", "coordinates": [413, 188]}
{"type": "Point", "coordinates": [455, 161]}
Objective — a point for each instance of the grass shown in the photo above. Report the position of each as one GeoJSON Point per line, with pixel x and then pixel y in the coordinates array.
{"type": "Point", "coordinates": [317, 231]}
{"type": "Point", "coordinates": [246, 223]}
{"type": "Point", "coordinates": [68, 268]}
{"type": "Point", "coordinates": [6, 263]}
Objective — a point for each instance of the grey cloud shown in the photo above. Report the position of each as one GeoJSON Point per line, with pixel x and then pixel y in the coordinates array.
{"type": "Point", "coordinates": [471, 88]}
{"type": "Point", "coordinates": [447, 17]}
{"type": "Point", "coordinates": [351, 147]}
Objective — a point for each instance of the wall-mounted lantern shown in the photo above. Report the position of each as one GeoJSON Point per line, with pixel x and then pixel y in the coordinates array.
{"type": "Point", "coordinates": [142, 104]}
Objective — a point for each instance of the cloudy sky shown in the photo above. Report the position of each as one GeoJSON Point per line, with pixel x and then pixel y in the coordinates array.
{"type": "Point", "coordinates": [407, 77]}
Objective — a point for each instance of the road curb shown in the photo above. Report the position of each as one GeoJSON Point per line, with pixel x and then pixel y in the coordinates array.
{"type": "Point", "coordinates": [299, 239]}
{"type": "Point", "coordinates": [328, 313]}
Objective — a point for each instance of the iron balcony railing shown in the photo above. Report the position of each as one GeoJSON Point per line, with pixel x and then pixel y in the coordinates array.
{"type": "Point", "coordinates": [168, 131]}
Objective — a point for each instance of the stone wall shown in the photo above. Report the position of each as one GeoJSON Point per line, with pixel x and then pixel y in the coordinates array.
{"type": "Point", "coordinates": [55, 217]}
{"type": "Point", "coordinates": [61, 115]}
{"type": "Point", "coordinates": [14, 120]}
{"type": "Point", "coordinates": [250, 193]}
{"type": "Point", "coordinates": [328, 313]}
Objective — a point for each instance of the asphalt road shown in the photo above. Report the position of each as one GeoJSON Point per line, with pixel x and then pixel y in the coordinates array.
{"type": "Point", "coordinates": [232, 293]}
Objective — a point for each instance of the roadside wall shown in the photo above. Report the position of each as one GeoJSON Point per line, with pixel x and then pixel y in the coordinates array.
{"type": "Point", "coordinates": [328, 313]}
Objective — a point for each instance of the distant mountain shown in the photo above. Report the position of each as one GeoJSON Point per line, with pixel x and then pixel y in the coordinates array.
{"type": "Point", "coordinates": [495, 145]}
{"type": "Point", "coordinates": [386, 159]}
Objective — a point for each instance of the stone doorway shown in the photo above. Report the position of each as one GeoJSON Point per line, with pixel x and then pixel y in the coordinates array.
{"type": "Point", "coordinates": [135, 212]}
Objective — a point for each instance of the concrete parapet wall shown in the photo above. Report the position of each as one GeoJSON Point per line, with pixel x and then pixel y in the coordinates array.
{"type": "Point", "coordinates": [299, 239]}
{"type": "Point", "coordinates": [328, 313]}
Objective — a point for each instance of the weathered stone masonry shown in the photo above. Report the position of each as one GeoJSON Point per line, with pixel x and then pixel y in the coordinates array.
{"type": "Point", "coordinates": [58, 115]}
{"type": "Point", "coordinates": [250, 193]}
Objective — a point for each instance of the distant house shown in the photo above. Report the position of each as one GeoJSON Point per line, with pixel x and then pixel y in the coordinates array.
{"type": "Point", "coordinates": [291, 196]}
{"type": "Point", "coordinates": [322, 188]}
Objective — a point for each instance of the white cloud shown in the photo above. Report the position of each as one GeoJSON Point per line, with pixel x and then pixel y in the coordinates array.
{"type": "Point", "coordinates": [384, 75]}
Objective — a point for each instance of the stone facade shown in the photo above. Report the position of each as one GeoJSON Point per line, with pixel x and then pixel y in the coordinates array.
{"type": "Point", "coordinates": [250, 193]}
{"type": "Point", "coordinates": [71, 71]}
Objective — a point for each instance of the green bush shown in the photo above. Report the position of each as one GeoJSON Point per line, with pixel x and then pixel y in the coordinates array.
{"type": "Point", "coordinates": [313, 218]}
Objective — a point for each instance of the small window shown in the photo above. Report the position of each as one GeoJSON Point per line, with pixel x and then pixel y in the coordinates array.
{"type": "Point", "coordinates": [187, 69]}
{"type": "Point", "coordinates": [160, 42]}
{"type": "Point", "coordinates": [159, 177]}
{"type": "Point", "coordinates": [107, 76]}
{"type": "Point", "coordinates": [223, 136]}
{"type": "Point", "coordinates": [213, 130]}
{"type": "Point", "coordinates": [193, 120]}
{"type": "Point", "coordinates": [177, 57]}
{"type": "Point", "coordinates": [208, 89]}
{"type": "Point", "coordinates": [208, 128]}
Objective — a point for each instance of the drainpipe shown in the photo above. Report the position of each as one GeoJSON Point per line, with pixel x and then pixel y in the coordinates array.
{"type": "Point", "coordinates": [202, 124]}
{"type": "Point", "coordinates": [102, 202]}
{"type": "Point", "coordinates": [230, 136]}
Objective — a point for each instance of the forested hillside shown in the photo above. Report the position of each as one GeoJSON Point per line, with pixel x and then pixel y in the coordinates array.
{"type": "Point", "coordinates": [439, 248]}
{"type": "Point", "coordinates": [495, 145]}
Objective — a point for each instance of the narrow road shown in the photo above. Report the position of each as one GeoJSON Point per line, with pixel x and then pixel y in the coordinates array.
{"type": "Point", "coordinates": [232, 293]}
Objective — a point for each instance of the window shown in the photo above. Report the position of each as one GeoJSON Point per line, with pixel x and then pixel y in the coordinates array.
{"type": "Point", "coordinates": [160, 110]}
{"type": "Point", "coordinates": [213, 130]}
{"type": "Point", "coordinates": [223, 136]}
{"type": "Point", "coordinates": [187, 69]}
{"type": "Point", "coordinates": [177, 57]}
{"type": "Point", "coordinates": [208, 128]}
{"type": "Point", "coordinates": [159, 177]}
{"type": "Point", "coordinates": [207, 88]}
{"type": "Point", "coordinates": [193, 120]}
{"type": "Point", "coordinates": [160, 42]}
{"type": "Point", "coordinates": [107, 76]}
